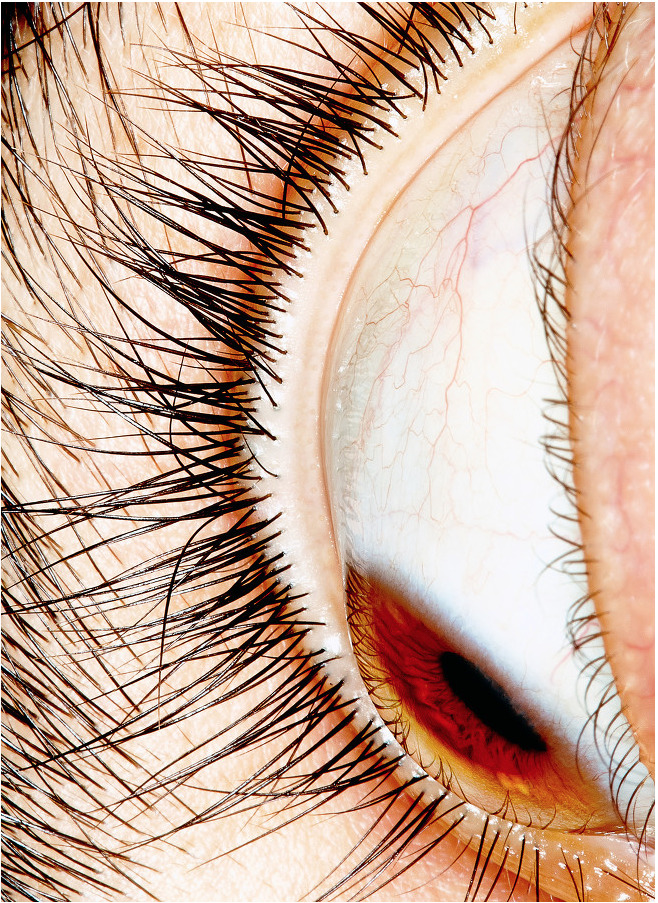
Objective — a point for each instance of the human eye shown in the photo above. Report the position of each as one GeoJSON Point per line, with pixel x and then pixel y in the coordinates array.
{"type": "Point", "coordinates": [418, 309]}
{"type": "Point", "coordinates": [223, 718]}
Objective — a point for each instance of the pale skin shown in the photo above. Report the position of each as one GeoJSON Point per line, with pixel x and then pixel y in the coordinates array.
{"type": "Point", "coordinates": [288, 863]}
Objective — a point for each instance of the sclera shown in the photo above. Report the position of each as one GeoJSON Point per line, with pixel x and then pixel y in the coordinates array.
{"type": "Point", "coordinates": [311, 533]}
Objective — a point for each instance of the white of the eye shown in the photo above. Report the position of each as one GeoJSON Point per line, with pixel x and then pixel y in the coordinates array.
{"type": "Point", "coordinates": [296, 492]}
{"type": "Point", "coordinates": [436, 470]}
{"type": "Point", "coordinates": [435, 422]}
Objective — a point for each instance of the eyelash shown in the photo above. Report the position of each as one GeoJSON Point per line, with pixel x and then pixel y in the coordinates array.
{"type": "Point", "coordinates": [583, 628]}
{"type": "Point", "coordinates": [259, 615]}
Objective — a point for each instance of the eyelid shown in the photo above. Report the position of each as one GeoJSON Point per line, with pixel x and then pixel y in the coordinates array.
{"type": "Point", "coordinates": [309, 328]}
{"type": "Point", "coordinates": [324, 776]}
{"type": "Point", "coordinates": [216, 619]}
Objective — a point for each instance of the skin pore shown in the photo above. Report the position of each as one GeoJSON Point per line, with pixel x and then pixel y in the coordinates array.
{"type": "Point", "coordinates": [145, 770]}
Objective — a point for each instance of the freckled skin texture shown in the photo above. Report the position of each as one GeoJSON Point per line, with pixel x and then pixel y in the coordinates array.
{"type": "Point", "coordinates": [289, 863]}
{"type": "Point", "coordinates": [611, 348]}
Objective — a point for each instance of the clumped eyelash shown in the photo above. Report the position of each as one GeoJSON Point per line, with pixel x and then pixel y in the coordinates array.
{"type": "Point", "coordinates": [247, 626]}
{"type": "Point", "coordinates": [196, 424]}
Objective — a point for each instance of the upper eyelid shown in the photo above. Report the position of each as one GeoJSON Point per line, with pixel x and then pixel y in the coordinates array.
{"type": "Point", "coordinates": [272, 599]}
{"type": "Point", "coordinates": [114, 393]}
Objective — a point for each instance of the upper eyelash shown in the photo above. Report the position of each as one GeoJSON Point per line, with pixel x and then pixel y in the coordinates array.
{"type": "Point", "coordinates": [245, 326]}
{"type": "Point", "coordinates": [239, 316]}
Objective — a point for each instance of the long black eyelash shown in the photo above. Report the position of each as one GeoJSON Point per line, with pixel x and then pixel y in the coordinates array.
{"type": "Point", "coordinates": [611, 730]}
{"type": "Point", "coordinates": [245, 624]}
{"type": "Point", "coordinates": [192, 414]}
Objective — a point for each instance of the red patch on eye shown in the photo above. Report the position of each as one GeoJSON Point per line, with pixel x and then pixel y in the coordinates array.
{"type": "Point", "coordinates": [409, 654]}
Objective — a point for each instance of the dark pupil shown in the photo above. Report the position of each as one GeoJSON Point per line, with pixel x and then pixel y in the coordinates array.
{"type": "Point", "coordinates": [489, 702]}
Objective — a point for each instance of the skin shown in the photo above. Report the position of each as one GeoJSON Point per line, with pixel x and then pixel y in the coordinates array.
{"type": "Point", "coordinates": [614, 442]}
{"type": "Point", "coordinates": [288, 863]}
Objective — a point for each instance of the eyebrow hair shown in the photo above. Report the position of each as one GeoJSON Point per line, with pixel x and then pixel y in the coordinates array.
{"type": "Point", "coordinates": [67, 735]}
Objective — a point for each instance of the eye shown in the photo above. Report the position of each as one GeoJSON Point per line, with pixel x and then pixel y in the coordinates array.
{"type": "Point", "coordinates": [237, 621]}
{"type": "Point", "coordinates": [446, 512]}
{"type": "Point", "coordinates": [454, 534]}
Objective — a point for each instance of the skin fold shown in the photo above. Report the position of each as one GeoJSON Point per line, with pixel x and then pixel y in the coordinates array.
{"type": "Point", "coordinates": [617, 341]}
{"type": "Point", "coordinates": [251, 851]}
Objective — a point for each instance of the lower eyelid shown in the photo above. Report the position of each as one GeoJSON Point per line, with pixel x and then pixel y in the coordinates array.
{"type": "Point", "coordinates": [353, 827]}
{"type": "Point", "coordinates": [323, 579]}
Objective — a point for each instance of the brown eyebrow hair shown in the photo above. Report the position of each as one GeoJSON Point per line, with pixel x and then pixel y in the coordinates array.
{"type": "Point", "coordinates": [67, 736]}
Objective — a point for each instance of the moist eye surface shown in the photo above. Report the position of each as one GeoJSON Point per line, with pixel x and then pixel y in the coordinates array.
{"type": "Point", "coordinates": [471, 555]}
{"type": "Point", "coordinates": [450, 523]}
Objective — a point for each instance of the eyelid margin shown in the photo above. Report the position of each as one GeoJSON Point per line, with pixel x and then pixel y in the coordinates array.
{"type": "Point", "coordinates": [316, 713]}
{"type": "Point", "coordinates": [299, 452]}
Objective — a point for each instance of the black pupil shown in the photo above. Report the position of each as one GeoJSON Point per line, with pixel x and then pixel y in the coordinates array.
{"type": "Point", "coordinates": [489, 702]}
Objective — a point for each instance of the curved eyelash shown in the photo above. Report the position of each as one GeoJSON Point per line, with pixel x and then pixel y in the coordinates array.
{"type": "Point", "coordinates": [190, 406]}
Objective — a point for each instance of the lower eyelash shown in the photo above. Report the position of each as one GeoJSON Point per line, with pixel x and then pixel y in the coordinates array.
{"type": "Point", "coordinates": [250, 606]}
{"type": "Point", "coordinates": [258, 612]}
